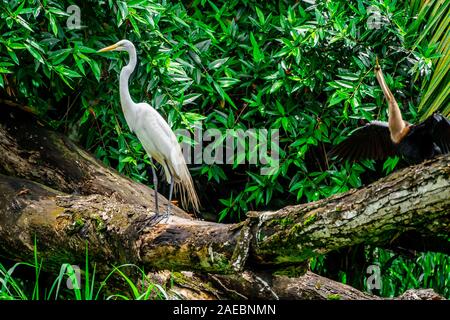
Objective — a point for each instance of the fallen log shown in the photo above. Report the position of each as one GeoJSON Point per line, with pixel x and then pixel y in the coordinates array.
{"type": "Point", "coordinates": [416, 198]}
{"type": "Point", "coordinates": [249, 285]}
{"type": "Point", "coordinates": [55, 194]}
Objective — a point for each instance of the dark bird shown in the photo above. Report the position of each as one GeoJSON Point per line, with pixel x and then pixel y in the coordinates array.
{"type": "Point", "coordinates": [378, 140]}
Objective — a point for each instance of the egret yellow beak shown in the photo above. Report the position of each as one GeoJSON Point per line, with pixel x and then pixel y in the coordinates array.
{"type": "Point", "coordinates": [110, 48]}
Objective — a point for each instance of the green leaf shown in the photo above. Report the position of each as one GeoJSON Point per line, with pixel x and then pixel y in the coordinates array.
{"type": "Point", "coordinates": [35, 53]}
{"type": "Point", "coordinates": [258, 56]}
{"type": "Point", "coordinates": [337, 97]}
{"type": "Point", "coordinates": [128, 159]}
{"type": "Point", "coordinates": [67, 72]}
{"type": "Point", "coordinates": [217, 63]}
{"type": "Point", "coordinates": [58, 12]}
{"type": "Point", "coordinates": [226, 82]}
{"type": "Point", "coordinates": [79, 62]}
{"type": "Point", "coordinates": [276, 86]}
{"type": "Point", "coordinates": [95, 69]}
{"type": "Point", "coordinates": [4, 70]}
{"type": "Point", "coordinates": [260, 15]}
{"type": "Point", "coordinates": [134, 25]}
{"type": "Point", "coordinates": [13, 55]}
{"type": "Point", "coordinates": [223, 94]}
{"type": "Point", "coordinates": [22, 22]}
{"type": "Point", "coordinates": [122, 13]}
{"type": "Point", "coordinates": [57, 57]}
{"type": "Point", "coordinates": [190, 98]}
{"type": "Point", "coordinates": [53, 24]}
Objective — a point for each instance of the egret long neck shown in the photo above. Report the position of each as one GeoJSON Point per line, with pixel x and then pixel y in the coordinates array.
{"type": "Point", "coordinates": [396, 123]}
{"type": "Point", "coordinates": [125, 98]}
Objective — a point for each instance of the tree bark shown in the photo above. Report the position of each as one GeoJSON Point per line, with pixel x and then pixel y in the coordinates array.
{"type": "Point", "coordinates": [250, 285]}
{"type": "Point", "coordinates": [56, 193]}
{"type": "Point", "coordinates": [416, 198]}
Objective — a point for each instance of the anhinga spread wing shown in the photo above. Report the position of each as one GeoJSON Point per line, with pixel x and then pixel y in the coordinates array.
{"type": "Point", "coordinates": [372, 141]}
{"type": "Point", "coordinates": [379, 140]}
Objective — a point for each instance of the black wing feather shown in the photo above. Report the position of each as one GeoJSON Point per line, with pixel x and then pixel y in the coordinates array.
{"type": "Point", "coordinates": [372, 141]}
{"type": "Point", "coordinates": [441, 132]}
{"type": "Point", "coordinates": [436, 129]}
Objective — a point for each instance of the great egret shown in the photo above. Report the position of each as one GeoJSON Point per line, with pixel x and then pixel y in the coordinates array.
{"type": "Point", "coordinates": [379, 140]}
{"type": "Point", "coordinates": [156, 137]}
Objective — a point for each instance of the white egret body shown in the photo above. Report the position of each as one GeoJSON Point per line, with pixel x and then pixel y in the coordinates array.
{"type": "Point", "coordinates": [155, 134]}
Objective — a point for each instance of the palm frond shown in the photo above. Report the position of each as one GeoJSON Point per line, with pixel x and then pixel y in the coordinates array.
{"type": "Point", "coordinates": [433, 24]}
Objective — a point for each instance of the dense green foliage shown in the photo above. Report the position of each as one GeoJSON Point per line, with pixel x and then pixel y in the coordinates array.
{"type": "Point", "coordinates": [397, 273]}
{"type": "Point", "coordinates": [304, 69]}
{"type": "Point", "coordinates": [427, 270]}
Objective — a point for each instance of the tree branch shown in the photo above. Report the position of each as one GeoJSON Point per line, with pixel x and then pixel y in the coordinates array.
{"type": "Point", "coordinates": [416, 198]}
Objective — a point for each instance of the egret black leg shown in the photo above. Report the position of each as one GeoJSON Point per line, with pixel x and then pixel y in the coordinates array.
{"type": "Point", "coordinates": [154, 219]}
{"type": "Point", "coordinates": [169, 203]}
{"type": "Point", "coordinates": [157, 217]}
{"type": "Point", "coordinates": [170, 194]}
{"type": "Point", "coordinates": [155, 186]}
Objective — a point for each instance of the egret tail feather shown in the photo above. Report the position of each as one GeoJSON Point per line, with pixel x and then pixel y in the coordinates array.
{"type": "Point", "coordinates": [186, 190]}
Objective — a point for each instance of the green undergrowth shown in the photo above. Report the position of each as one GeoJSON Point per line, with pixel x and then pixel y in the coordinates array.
{"type": "Point", "coordinates": [73, 282]}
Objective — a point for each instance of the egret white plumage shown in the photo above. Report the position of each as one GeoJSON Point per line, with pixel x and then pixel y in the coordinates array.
{"type": "Point", "coordinates": [156, 136]}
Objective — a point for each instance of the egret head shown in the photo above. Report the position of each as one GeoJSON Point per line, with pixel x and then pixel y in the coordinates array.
{"type": "Point", "coordinates": [122, 45]}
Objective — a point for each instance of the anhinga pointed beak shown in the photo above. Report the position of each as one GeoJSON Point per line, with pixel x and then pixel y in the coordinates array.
{"type": "Point", "coordinates": [380, 77]}
{"type": "Point", "coordinates": [110, 48]}
{"type": "Point", "coordinates": [377, 65]}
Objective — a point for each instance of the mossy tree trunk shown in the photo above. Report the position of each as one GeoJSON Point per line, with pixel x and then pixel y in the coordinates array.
{"type": "Point", "coordinates": [53, 191]}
